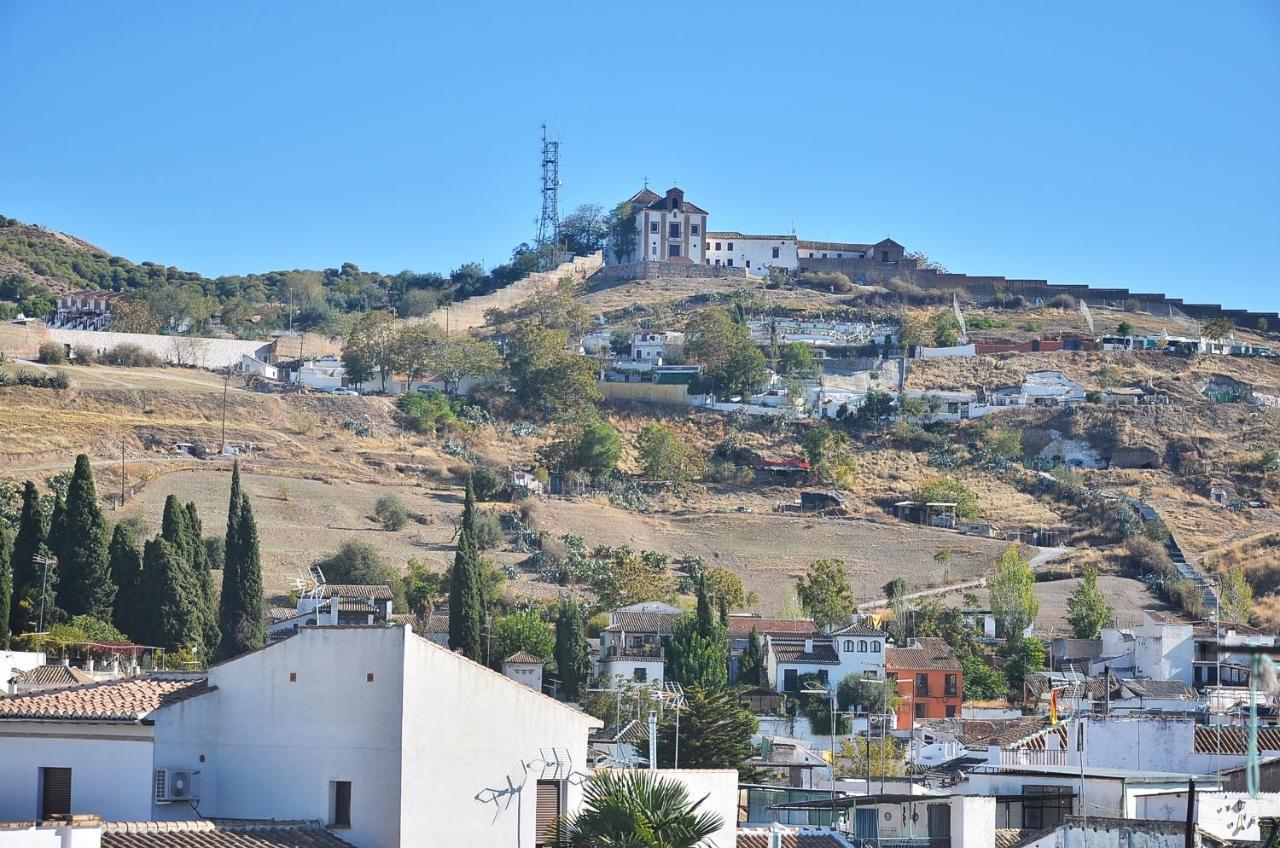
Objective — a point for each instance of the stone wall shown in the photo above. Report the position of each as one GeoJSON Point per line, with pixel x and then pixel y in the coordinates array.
{"type": "Point", "coordinates": [656, 270]}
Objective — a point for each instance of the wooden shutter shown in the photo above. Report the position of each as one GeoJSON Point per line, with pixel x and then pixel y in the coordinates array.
{"type": "Point", "coordinates": [55, 793]}
{"type": "Point", "coordinates": [548, 812]}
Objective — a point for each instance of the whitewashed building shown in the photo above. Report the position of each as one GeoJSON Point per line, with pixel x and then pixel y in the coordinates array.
{"type": "Point", "coordinates": [857, 650]}
{"type": "Point", "coordinates": [667, 229]}
{"type": "Point", "coordinates": [756, 253]}
{"type": "Point", "coordinates": [631, 647]}
{"type": "Point", "coordinates": [373, 730]}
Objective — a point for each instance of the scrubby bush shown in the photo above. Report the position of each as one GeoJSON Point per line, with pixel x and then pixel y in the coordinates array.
{"type": "Point", "coordinates": [426, 412]}
{"type": "Point", "coordinates": [391, 513]}
{"type": "Point", "coordinates": [1062, 301]}
{"type": "Point", "coordinates": [488, 530]}
{"type": "Point", "coordinates": [130, 355]}
{"type": "Point", "coordinates": [488, 482]}
{"type": "Point", "coordinates": [56, 380]}
{"type": "Point", "coordinates": [83, 355]}
{"type": "Point", "coordinates": [52, 353]}
{"type": "Point", "coordinates": [833, 281]}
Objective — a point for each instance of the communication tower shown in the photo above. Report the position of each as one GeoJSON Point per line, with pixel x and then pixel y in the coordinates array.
{"type": "Point", "coordinates": [549, 223]}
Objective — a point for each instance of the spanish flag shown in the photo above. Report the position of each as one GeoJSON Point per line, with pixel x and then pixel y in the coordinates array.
{"type": "Point", "coordinates": [1053, 706]}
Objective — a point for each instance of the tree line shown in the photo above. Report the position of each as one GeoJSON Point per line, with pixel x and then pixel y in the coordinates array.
{"type": "Point", "coordinates": [64, 566]}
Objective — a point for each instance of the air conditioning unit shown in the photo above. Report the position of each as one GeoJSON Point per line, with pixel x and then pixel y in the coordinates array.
{"type": "Point", "coordinates": [176, 785]}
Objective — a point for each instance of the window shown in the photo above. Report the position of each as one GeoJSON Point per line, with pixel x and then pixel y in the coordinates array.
{"type": "Point", "coordinates": [824, 256]}
{"type": "Point", "coordinates": [340, 803]}
{"type": "Point", "coordinates": [717, 263]}
{"type": "Point", "coordinates": [653, 227]}
{"type": "Point", "coordinates": [839, 256]}
{"type": "Point", "coordinates": [1045, 806]}
{"type": "Point", "coordinates": [870, 674]}
{"type": "Point", "coordinates": [368, 678]}
{"type": "Point", "coordinates": [640, 675]}
{"type": "Point", "coordinates": [547, 812]}
{"type": "Point", "coordinates": [822, 676]}
{"type": "Point", "coordinates": [920, 711]}
{"type": "Point", "coordinates": [673, 250]}
{"type": "Point", "coordinates": [811, 254]}
{"type": "Point", "coordinates": [848, 644]}
{"type": "Point", "coordinates": [949, 686]}
{"type": "Point", "coordinates": [875, 647]}
{"type": "Point", "coordinates": [293, 677]}
{"type": "Point", "coordinates": [922, 684]}
{"type": "Point", "coordinates": [789, 680]}
{"type": "Point", "coordinates": [951, 710]}
{"type": "Point", "coordinates": [862, 646]}
{"type": "Point", "coordinates": [717, 245]}
{"type": "Point", "coordinates": [673, 229]}
{"type": "Point", "coordinates": [748, 263]}
{"type": "Point", "coordinates": [775, 253]}
{"type": "Point", "coordinates": [729, 262]}
{"type": "Point", "coordinates": [730, 245]}
{"type": "Point", "coordinates": [693, 229]}
{"type": "Point", "coordinates": [55, 792]}
{"type": "Point", "coordinates": [653, 251]}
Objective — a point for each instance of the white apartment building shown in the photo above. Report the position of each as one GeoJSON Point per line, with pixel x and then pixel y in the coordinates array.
{"type": "Point", "coordinates": [376, 731]}
{"type": "Point", "coordinates": [667, 229]}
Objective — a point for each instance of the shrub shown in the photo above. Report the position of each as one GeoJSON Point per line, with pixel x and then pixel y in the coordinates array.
{"type": "Point", "coordinates": [488, 482]}
{"type": "Point", "coordinates": [488, 530]}
{"type": "Point", "coordinates": [52, 353]}
{"type": "Point", "coordinates": [833, 281]}
{"type": "Point", "coordinates": [390, 512]}
{"type": "Point", "coordinates": [950, 490]}
{"type": "Point", "coordinates": [1062, 301]}
{"type": "Point", "coordinates": [426, 413]}
{"type": "Point", "coordinates": [131, 356]}
{"type": "Point", "coordinates": [56, 380]}
{"type": "Point", "coordinates": [83, 355]}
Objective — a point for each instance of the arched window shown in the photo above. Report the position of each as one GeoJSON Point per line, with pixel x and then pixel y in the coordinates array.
{"type": "Point", "coordinates": [875, 647]}
{"type": "Point", "coordinates": [862, 646]}
{"type": "Point", "coordinates": [848, 644]}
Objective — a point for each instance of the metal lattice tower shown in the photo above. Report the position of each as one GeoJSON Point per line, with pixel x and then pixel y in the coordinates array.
{"type": "Point", "coordinates": [549, 223]}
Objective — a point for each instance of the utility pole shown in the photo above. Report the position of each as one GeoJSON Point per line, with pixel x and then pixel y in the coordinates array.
{"type": "Point", "coordinates": [226, 381]}
{"type": "Point", "coordinates": [122, 478]}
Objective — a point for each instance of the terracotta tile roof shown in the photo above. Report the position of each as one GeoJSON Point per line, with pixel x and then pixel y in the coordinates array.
{"type": "Point", "coordinates": [794, 652]}
{"type": "Point", "coordinates": [523, 657]}
{"type": "Point", "coordinates": [743, 625]}
{"type": "Point", "coordinates": [932, 653]}
{"type": "Point", "coordinates": [1234, 740]}
{"type": "Point", "coordinates": [128, 699]}
{"type": "Point", "coordinates": [208, 834]}
{"type": "Point", "coordinates": [1039, 684]}
{"type": "Point", "coordinates": [1027, 732]}
{"type": "Point", "coordinates": [356, 605]}
{"type": "Point", "coordinates": [644, 197]}
{"type": "Point", "coordinates": [341, 590]}
{"type": "Point", "coordinates": [643, 622]}
{"type": "Point", "coordinates": [437, 622]}
{"type": "Point", "coordinates": [50, 676]}
{"type": "Point", "coordinates": [859, 630]}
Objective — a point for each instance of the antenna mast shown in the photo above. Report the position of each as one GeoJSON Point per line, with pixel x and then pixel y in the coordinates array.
{"type": "Point", "coordinates": [549, 223]}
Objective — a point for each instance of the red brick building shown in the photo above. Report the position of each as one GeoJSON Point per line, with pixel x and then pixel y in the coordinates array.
{"type": "Point", "coordinates": [930, 680]}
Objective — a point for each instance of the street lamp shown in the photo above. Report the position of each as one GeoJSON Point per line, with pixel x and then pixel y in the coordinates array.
{"type": "Point", "coordinates": [831, 695]}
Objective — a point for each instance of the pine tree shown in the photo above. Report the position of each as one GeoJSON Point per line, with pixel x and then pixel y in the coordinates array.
{"type": "Point", "coordinates": [466, 595]}
{"type": "Point", "coordinates": [1087, 608]}
{"type": "Point", "coordinates": [172, 613]}
{"type": "Point", "coordinates": [6, 583]}
{"type": "Point", "coordinates": [22, 565]}
{"type": "Point", "coordinates": [84, 578]}
{"type": "Point", "coordinates": [571, 648]}
{"type": "Point", "coordinates": [715, 731]}
{"type": "Point", "coordinates": [204, 577]}
{"type": "Point", "coordinates": [244, 627]}
{"type": "Point", "coordinates": [228, 601]}
{"type": "Point", "coordinates": [751, 665]}
{"type": "Point", "coordinates": [126, 573]}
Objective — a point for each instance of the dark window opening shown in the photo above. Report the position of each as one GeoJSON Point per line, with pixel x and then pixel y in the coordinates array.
{"type": "Point", "coordinates": [673, 250]}
{"type": "Point", "coordinates": [951, 710]}
{"type": "Point", "coordinates": [920, 711]}
{"type": "Point", "coordinates": [922, 684]}
{"type": "Point", "coordinates": [547, 812]}
{"type": "Point", "coordinates": [950, 685]}
{"type": "Point", "coordinates": [729, 262]}
{"type": "Point", "coordinates": [1045, 806]}
{"type": "Point", "coordinates": [55, 792]}
{"type": "Point", "coordinates": [775, 253]}
{"type": "Point", "coordinates": [653, 227]}
{"type": "Point", "coordinates": [730, 245]}
{"type": "Point", "coordinates": [884, 256]}
{"type": "Point", "coordinates": [717, 245]}
{"type": "Point", "coordinates": [789, 680]}
{"type": "Point", "coordinates": [673, 230]}
{"type": "Point", "coordinates": [693, 229]}
{"type": "Point", "coordinates": [640, 675]}
{"type": "Point", "coordinates": [341, 803]}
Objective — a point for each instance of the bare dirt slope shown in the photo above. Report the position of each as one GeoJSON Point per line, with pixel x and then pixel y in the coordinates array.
{"type": "Point", "coordinates": [470, 313]}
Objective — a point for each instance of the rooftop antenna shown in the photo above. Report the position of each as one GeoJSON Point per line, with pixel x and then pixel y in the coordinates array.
{"type": "Point", "coordinates": [549, 222]}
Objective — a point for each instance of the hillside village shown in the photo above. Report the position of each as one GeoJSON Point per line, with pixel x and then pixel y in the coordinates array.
{"type": "Point", "coordinates": [913, 557]}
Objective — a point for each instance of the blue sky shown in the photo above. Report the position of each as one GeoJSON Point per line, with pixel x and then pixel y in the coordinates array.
{"type": "Point", "coordinates": [1131, 144]}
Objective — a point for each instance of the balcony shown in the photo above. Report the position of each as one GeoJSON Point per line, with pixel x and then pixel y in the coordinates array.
{"type": "Point", "coordinates": [615, 652]}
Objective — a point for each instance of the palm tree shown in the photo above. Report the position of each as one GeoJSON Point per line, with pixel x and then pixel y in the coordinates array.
{"type": "Point", "coordinates": [632, 809]}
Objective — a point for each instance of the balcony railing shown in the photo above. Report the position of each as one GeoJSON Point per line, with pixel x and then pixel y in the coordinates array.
{"type": "Point", "coordinates": [617, 651]}
{"type": "Point", "coordinates": [1021, 757]}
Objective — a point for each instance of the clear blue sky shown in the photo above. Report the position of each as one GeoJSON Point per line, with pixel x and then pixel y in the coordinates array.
{"type": "Point", "coordinates": [1133, 144]}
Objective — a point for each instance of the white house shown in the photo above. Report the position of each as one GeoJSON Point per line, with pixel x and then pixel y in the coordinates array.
{"type": "Point", "coordinates": [523, 667]}
{"type": "Point", "coordinates": [653, 345]}
{"type": "Point", "coordinates": [631, 649]}
{"type": "Point", "coordinates": [253, 365]}
{"type": "Point", "coordinates": [857, 650]}
{"type": "Point", "coordinates": [374, 730]}
{"type": "Point", "coordinates": [756, 253]}
{"type": "Point", "coordinates": [667, 229]}
{"type": "Point", "coordinates": [331, 604]}
{"type": "Point", "coordinates": [327, 372]}
{"type": "Point", "coordinates": [1051, 388]}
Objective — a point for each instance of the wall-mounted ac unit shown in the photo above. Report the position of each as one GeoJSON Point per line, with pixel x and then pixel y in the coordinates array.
{"type": "Point", "coordinates": [176, 785]}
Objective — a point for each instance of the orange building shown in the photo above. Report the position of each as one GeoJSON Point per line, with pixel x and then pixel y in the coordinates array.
{"type": "Point", "coordinates": [930, 680]}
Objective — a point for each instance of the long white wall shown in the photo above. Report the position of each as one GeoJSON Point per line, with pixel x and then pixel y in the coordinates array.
{"type": "Point", "coordinates": [176, 350]}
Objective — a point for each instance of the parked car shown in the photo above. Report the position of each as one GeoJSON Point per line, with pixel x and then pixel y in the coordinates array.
{"type": "Point", "coordinates": [1260, 504]}
{"type": "Point", "coordinates": [344, 391]}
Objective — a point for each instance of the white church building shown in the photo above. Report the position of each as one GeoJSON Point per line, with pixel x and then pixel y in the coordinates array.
{"type": "Point", "coordinates": [667, 229]}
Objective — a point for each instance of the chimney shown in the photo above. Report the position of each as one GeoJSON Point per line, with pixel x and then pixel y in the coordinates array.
{"type": "Point", "coordinates": [88, 665]}
{"type": "Point", "coordinates": [66, 661]}
{"type": "Point", "coordinates": [808, 646]}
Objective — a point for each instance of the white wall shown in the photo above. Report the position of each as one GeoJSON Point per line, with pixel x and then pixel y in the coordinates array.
{"type": "Point", "coordinates": [759, 252]}
{"type": "Point", "coordinates": [65, 836]}
{"type": "Point", "coordinates": [177, 350]}
{"type": "Point", "coordinates": [110, 768]}
{"type": "Point", "coordinates": [20, 661]}
{"type": "Point", "coordinates": [973, 821]}
{"type": "Point", "coordinates": [624, 668]}
{"type": "Point", "coordinates": [1164, 651]}
{"type": "Point", "coordinates": [720, 788]}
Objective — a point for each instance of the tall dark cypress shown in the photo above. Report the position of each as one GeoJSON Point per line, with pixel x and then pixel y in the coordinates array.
{"type": "Point", "coordinates": [251, 621]}
{"type": "Point", "coordinates": [204, 578]}
{"type": "Point", "coordinates": [228, 601]}
{"type": "Point", "coordinates": [173, 527]}
{"type": "Point", "coordinates": [571, 648]}
{"type": "Point", "coordinates": [126, 573]}
{"type": "Point", "coordinates": [6, 583]}
{"type": "Point", "coordinates": [466, 596]}
{"type": "Point", "coordinates": [172, 612]}
{"type": "Point", "coordinates": [84, 577]}
{"type": "Point", "coordinates": [26, 576]}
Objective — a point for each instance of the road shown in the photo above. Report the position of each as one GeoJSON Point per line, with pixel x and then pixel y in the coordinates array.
{"type": "Point", "coordinates": [1045, 555]}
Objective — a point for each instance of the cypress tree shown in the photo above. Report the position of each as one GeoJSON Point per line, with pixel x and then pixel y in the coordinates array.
{"type": "Point", "coordinates": [126, 573]}
{"type": "Point", "coordinates": [172, 619]}
{"type": "Point", "coordinates": [6, 583]}
{"type": "Point", "coordinates": [84, 578]}
{"type": "Point", "coordinates": [706, 624]}
{"type": "Point", "coordinates": [571, 648]}
{"type": "Point", "coordinates": [173, 527]}
{"type": "Point", "coordinates": [250, 625]}
{"type": "Point", "coordinates": [228, 601]}
{"type": "Point", "coordinates": [26, 546]}
{"type": "Point", "coordinates": [751, 666]}
{"type": "Point", "coordinates": [204, 578]}
{"type": "Point", "coordinates": [466, 595]}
